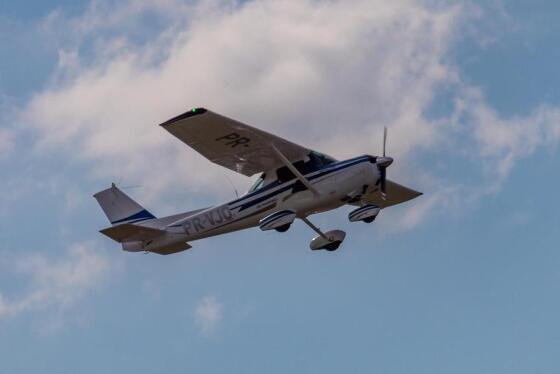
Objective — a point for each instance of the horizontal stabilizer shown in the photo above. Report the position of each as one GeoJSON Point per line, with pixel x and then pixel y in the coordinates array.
{"type": "Point", "coordinates": [172, 248]}
{"type": "Point", "coordinates": [129, 232]}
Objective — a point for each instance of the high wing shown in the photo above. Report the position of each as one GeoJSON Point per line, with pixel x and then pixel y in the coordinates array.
{"type": "Point", "coordinates": [396, 194]}
{"type": "Point", "coordinates": [232, 144]}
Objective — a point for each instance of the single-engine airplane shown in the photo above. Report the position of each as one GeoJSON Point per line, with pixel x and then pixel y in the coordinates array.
{"type": "Point", "coordinates": [294, 182]}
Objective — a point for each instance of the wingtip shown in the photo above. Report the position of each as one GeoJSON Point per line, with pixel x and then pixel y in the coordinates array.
{"type": "Point", "coordinates": [191, 113]}
{"type": "Point", "coordinates": [417, 194]}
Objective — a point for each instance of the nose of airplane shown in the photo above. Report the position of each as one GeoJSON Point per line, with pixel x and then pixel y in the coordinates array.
{"type": "Point", "coordinates": [382, 164]}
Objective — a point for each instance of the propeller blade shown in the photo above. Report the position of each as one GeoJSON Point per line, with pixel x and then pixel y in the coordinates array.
{"type": "Point", "coordinates": [384, 139]}
{"type": "Point", "coordinates": [383, 183]}
{"type": "Point", "coordinates": [383, 163]}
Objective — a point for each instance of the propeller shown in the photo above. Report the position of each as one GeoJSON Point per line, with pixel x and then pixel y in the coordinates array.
{"type": "Point", "coordinates": [382, 164]}
{"type": "Point", "coordinates": [384, 139]}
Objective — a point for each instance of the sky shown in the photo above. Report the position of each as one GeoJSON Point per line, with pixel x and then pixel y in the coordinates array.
{"type": "Point", "coordinates": [463, 279]}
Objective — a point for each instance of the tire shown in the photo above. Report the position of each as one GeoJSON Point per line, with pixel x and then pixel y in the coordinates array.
{"type": "Point", "coordinates": [331, 247]}
{"type": "Point", "coordinates": [283, 228]}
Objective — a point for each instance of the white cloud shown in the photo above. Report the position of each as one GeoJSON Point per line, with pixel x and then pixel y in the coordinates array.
{"type": "Point", "coordinates": [503, 140]}
{"type": "Point", "coordinates": [323, 73]}
{"type": "Point", "coordinates": [54, 284]}
{"type": "Point", "coordinates": [277, 65]}
{"type": "Point", "coordinates": [208, 315]}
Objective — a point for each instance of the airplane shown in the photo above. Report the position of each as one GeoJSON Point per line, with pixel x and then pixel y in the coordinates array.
{"type": "Point", "coordinates": [294, 182]}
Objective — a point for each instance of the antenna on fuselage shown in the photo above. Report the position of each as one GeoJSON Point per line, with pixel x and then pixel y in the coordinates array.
{"type": "Point", "coordinates": [233, 186]}
{"type": "Point", "coordinates": [118, 184]}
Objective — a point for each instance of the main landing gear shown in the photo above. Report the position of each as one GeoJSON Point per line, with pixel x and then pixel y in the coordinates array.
{"type": "Point", "coordinates": [329, 241]}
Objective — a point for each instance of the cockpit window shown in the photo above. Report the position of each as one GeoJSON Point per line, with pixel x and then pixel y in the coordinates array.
{"type": "Point", "coordinates": [320, 159]}
{"type": "Point", "coordinates": [258, 184]}
{"type": "Point", "coordinates": [317, 161]}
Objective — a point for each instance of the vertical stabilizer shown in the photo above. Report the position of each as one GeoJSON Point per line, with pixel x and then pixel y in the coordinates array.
{"type": "Point", "coordinates": [120, 208]}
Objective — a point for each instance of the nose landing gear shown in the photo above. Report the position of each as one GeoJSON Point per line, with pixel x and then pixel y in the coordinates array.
{"type": "Point", "coordinates": [329, 241]}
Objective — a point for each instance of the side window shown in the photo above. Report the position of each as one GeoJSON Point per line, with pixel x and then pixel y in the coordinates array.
{"type": "Point", "coordinates": [258, 184]}
{"type": "Point", "coordinates": [316, 162]}
{"type": "Point", "coordinates": [320, 160]}
{"type": "Point", "coordinates": [284, 174]}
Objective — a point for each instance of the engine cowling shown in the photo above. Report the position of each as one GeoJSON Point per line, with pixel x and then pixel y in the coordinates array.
{"type": "Point", "coordinates": [366, 213]}
{"type": "Point", "coordinates": [280, 221]}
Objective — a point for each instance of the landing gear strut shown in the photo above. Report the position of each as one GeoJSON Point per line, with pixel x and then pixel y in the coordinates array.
{"type": "Point", "coordinates": [329, 240]}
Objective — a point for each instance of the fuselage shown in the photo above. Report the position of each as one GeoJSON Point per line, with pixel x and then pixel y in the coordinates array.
{"type": "Point", "coordinates": [336, 182]}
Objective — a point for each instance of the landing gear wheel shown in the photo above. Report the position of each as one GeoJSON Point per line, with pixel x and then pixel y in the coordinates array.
{"type": "Point", "coordinates": [369, 219]}
{"type": "Point", "coordinates": [329, 241]}
{"type": "Point", "coordinates": [332, 246]}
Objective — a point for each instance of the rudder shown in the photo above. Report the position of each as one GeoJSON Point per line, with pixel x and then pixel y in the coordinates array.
{"type": "Point", "coordinates": [120, 208]}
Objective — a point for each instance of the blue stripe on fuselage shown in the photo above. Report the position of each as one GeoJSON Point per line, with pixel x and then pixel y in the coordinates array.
{"type": "Point", "coordinates": [289, 185]}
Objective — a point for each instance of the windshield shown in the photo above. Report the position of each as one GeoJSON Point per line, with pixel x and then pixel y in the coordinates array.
{"type": "Point", "coordinates": [258, 184]}
{"type": "Point", "coordinates": [316, 161]}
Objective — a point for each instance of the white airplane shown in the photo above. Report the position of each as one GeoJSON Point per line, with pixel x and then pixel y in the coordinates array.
{"type": "Point", "coordinates": [294, 182]}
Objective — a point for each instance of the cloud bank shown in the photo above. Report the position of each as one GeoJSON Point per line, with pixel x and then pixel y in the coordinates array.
{"type": "Point", "coordinates": [327, 74]}
{"type": "Point", "coordinates": [322, 73]}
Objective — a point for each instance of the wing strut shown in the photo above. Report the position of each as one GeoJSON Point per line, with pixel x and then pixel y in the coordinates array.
{"type": "Point", "coordinates": [296, 172]}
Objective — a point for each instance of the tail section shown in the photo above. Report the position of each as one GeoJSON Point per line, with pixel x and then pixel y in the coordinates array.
{"type": "Point", "coordinates": [136, 238]}
{"type": "Point", "coordinates": [127, 218]}
{"type": "Point", "coordinates": [120, 208]}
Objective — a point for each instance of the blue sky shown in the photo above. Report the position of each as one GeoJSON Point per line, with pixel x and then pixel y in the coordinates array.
{"type": "Point", "coordinates": [460, 280]}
